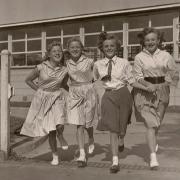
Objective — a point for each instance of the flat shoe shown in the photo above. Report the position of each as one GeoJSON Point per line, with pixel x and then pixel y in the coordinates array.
{"type": "Point", "coordinates": [114, 169]}
{"type": "Point", "coordinates": [91, 149]}
{"type": "Point", "coordinates": [121, 148]}
{"type": "Point", "coordinates": [81, 164]}
{"type": "Point", "coordinates": [65, 147]}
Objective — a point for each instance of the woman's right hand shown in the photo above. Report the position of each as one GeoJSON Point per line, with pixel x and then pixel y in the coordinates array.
{"type": "Point", "coordinates": [152, 88]}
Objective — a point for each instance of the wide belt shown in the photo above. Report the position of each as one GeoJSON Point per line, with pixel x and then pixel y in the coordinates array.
{"type": "Point", "coordinates": [155, 80]}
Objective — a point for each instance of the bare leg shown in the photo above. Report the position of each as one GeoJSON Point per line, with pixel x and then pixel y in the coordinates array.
{"type": "Point", "coordinates": [53, 146]}
{"type": "Point", "coordinates": [80, 139]}
{"type": "Point", "coordinates": [90, 132]}
{"type": "Point", "coordinates": [80, 136]}
{"type": "Point", "coordinates": [114, 144]}
{"type": "Point", "coordinates": [114, 148]}
{"type": "Point", "coordinates": [62, 141]}
{"type": "Point", "coordinates": [161, 109]}
{"type": "Point", "coordinates": [151, 140]}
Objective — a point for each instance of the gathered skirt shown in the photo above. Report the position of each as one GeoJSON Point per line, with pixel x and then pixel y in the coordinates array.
{"type": "Point", "coordinates": [47, 110]}
{"type": "Point", "coordinates": [116, 110]}
{"type": "Point", "coordinates": [82, 105]}
{"type": "Point", "coordinates": [150, 107]}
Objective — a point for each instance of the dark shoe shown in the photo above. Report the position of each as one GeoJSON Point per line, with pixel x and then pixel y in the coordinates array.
{"type": "Point", "coordinates": [154, 168]}
{"type": "Point", "coordinates": [121, 148]}
{"type": "Point", "coordinates": [114, 169]}
{"type": "Point", "coordinates": [82, 164]}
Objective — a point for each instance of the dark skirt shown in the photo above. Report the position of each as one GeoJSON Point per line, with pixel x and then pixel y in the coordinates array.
{"type": "Point", "coordinates": [116, 110]}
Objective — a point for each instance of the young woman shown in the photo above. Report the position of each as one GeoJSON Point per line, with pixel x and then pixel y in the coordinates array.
{"type": "Point", "coordinates": [154, 69]}
{"type": "Point", "coordinates": [82, 103]}
{"type": "Point", "coordinates": [47, 113]}
{"type": "Point", "coordinates": [116, 104]}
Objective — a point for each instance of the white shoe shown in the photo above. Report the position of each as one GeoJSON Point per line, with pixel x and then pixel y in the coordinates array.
{"type": "Point", "coordinates": [153, 161]}
{"type": "Point", "coordinates": [65, 147]}
{"type": "Point", "coordinates": [81, 158]}
{"type": "Point", "coordinates": [91, 148]}
{"type": "Point", "coordinates": [55, 160]}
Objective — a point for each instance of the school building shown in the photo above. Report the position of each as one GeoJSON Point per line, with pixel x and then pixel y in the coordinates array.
{"type": "Point", "coordinates": [27, 26]}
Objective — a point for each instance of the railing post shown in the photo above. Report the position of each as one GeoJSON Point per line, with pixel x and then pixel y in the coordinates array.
{"type": "Point", "coordinates": [5, 121]}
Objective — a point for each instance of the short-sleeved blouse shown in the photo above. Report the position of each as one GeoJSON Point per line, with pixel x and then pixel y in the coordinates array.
{"type": "Point", "coordinates": [158, 64]}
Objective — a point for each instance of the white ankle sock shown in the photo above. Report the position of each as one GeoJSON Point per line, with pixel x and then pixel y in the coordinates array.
{"type": "Point", "coordinates": [153, 160]}
{"type": "Point", "coordinates": [55, 160]}
{"type": "Point", "coordinates": [82, 152]}
{"type": "Point", "coordinates": [115, 160]}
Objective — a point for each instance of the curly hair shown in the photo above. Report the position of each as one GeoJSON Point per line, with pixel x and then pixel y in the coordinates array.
{"type": "Point", "coordinates": [105, 36]}
{"type": "Point", "coordinates": [49, 48]}
{"type": "Point", "coordinates": [148, 30]}
{"type": "Point", "coordinates": [75, 39]}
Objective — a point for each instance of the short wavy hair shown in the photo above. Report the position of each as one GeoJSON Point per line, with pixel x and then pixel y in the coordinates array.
{"type": "Point", "coordinates": [105, 36]}
{"type": "Point", "coordinates": [75, 39]}
{"type": "Point", "coordinates": [49, 48]}
{"type": "Point", "coordinates": [148, 30]}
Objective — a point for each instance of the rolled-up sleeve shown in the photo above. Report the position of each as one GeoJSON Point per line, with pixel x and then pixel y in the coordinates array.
{"type": "Point", "coordinates": [137, 69]}
{"type": "Point", "coordinates": [172, 72]}
{"type": "Point", "coordinates": [129, 74]}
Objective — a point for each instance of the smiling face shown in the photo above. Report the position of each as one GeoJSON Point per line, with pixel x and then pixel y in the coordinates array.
{"type": "Point", "coordinates": [109, 48]}
{"type": "Point", "coordinates": [151, 42]}
{"type": "Point", "coordinates": [75, 50]}
{"type": "Point", "coordinates": [56, 54]}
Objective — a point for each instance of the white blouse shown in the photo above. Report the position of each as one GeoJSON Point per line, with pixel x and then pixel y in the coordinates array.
{"type": "Point", "coordinates": [161, 63]}
{"type": "Point", "coordinates": [121, 73]}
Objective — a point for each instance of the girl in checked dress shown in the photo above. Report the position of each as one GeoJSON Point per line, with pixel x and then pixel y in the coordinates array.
{"type": "Point", "coordinates": [82, 99]}
{"type": "Point", "coordinates": [47, 113]}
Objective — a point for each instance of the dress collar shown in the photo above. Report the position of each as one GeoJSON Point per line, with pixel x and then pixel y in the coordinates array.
{"type": "Point", "coordinates": [78, 61]}
{"type": "Point", "coordinates": [47, 63]}
{"type": "Point", "coordinates": [147, 52]}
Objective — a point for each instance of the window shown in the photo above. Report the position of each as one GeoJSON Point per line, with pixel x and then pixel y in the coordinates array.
{"type": "Point", "coordinates": [93, 26]}
{"type": "Point", "coordinates": [133, 51]}
{"type": "Point", "coordinates": [34, 45]}
{"type": "Point", "coordinates": [34, 58]}
{"type": "Point", "coordinates": [52, 30]}
{"type": "Point", "coordinates": [113, 24]}
{"type": "Point", "coordinates": [162, 19]}
{"type": "Point", "coordinates": [92, 53]}
{"type": "Point", "coordinates": [3, 46]}
{"type": "Point", "coordinates": [91, 40]}
{"type": "Point", "coordinates": [71, 29]}
{"type": "Point", "coordinates": [18, 46]}
{"type": "Point", "coordinates": [3, 35]}
{"type": "Point", "coordinates": [19, 59]}
{"type": "Point", "coordinates": [18, 34]}
{"type": "Point", "coordinates": [138, 22]}
{"type": "Point", "coordinates": [167, 34]}
{"type": "Point", "coordinates": [133, 37]}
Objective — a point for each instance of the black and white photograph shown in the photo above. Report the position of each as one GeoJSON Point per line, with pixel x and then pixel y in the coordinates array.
{"type": "Point", "coordinates": [89, 89]}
